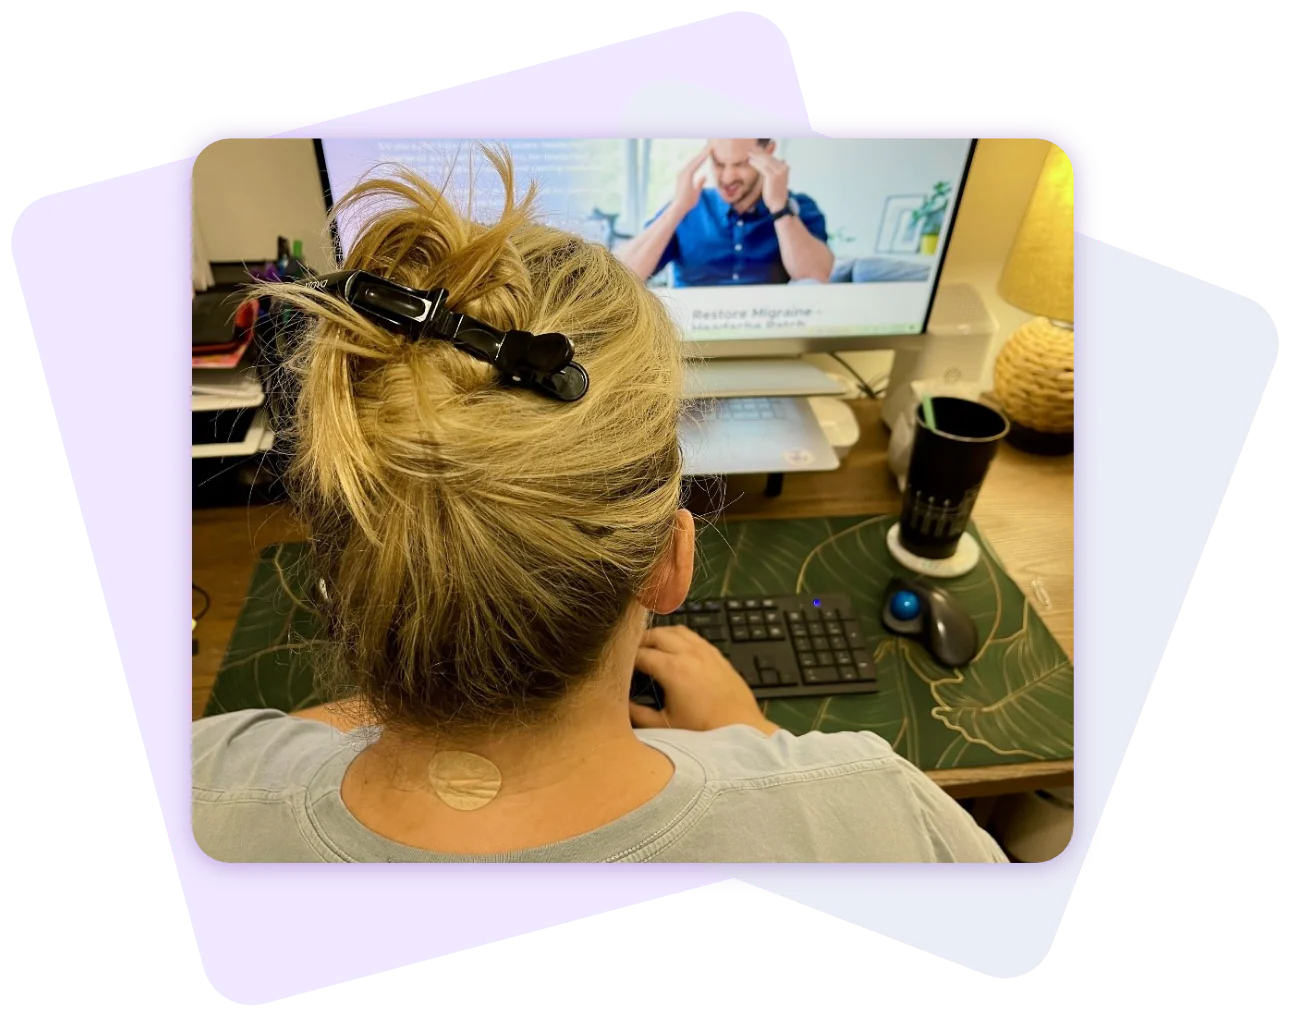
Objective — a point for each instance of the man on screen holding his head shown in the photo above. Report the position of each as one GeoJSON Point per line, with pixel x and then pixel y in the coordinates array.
{"type": "Point", "coordinates": [750, 229]}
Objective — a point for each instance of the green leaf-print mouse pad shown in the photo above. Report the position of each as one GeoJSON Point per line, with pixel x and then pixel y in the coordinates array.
{"type": "Point", "coordinates": [1013, 703]}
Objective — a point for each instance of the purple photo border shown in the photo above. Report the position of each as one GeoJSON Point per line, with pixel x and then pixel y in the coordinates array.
{"type": "Point", "coordinates": [1087, 174]}
{"type": "Point", "coordinates": [1096, 842]}
{"type": "Point", "coordinates": [726, 888]}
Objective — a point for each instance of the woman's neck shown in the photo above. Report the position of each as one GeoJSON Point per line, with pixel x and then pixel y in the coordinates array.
{"type": "Point", "coordinates": [581, 771]}
{"type": "Point", "coordinates": [529, 760]}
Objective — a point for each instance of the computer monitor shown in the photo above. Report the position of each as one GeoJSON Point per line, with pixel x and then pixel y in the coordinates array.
{"type": "Point", "coordinates": [850, 260]}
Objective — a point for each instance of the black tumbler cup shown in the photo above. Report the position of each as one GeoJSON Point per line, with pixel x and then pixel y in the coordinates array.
{"type": "Point", "coordinates": [949, 463]}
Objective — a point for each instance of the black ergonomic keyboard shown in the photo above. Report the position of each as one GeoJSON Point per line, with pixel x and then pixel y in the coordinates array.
{"type": "Point", "coordinates": [783, 646]}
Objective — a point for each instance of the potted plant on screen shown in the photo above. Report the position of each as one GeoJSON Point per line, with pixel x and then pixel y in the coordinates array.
{"type": "Point", "coordinates": [929, 216]}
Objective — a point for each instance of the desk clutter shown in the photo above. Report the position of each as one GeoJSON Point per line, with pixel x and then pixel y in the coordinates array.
{"type": "Point", "coordinates": [1013, 702]}
{"type": "Point", "coordinates": [228, 398]}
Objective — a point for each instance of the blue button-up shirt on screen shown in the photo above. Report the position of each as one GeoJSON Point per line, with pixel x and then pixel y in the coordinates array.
{"type": "Point", "coordinates": [715, 246]}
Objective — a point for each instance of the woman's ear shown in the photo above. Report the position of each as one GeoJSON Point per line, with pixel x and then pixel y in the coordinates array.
{"type": "Point", "coordinates": [673, 577]}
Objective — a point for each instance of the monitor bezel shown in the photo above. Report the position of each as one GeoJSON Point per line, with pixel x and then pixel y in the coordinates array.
{"type": "Point", "coordinates": [326, 184]}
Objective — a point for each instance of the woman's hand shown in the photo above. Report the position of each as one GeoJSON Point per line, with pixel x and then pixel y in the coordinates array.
{"type": "Point", "coordinates": [702, 690]}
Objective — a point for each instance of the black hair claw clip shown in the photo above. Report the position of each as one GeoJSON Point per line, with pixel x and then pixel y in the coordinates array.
{"type": "Point", "coordinates": [541, 362]}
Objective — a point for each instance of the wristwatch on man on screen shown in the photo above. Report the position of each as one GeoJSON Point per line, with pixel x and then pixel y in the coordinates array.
{"type": "Point", "coordinates": [792, 207]}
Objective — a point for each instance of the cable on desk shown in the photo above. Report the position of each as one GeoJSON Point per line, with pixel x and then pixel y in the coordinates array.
{"type": "Point", "coordinates": [206, 602]}
{"type": "Point", "coordinates": [868, 391]}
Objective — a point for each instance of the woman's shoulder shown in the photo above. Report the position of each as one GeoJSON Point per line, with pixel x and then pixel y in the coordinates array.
{"type": "Point", "coordinates": [844, 796]}
{"type": "Point", "coordinates": [742, 753]}
{"type": "Point", "coordinates": [265, 751]}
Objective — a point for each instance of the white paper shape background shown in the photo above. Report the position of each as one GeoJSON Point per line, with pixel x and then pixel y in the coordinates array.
{"type": "Point", "coordinates": [1144, 494]}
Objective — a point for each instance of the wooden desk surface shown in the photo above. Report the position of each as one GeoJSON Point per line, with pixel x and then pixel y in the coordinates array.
{"type": "Point", "coordinates": [1025, 509]}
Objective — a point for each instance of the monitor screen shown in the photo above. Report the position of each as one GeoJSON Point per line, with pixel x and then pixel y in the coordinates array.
{"type": "Point", "coordinates": [777, 238]}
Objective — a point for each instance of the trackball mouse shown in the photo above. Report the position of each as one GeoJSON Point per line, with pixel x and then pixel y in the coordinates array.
{"type": "Point", "coordinates": [930, 614]}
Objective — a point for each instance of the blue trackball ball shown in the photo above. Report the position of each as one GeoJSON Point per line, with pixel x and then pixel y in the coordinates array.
{"type": "Point", "coordinates": [904, 605]}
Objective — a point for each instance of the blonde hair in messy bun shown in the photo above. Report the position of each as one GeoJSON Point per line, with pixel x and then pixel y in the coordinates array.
{"type": "Point", "coordinates": [479, 544]}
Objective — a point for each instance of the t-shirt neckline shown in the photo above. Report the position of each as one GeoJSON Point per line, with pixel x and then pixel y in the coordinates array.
{"type": "Point", "coordinates": [650, 825]}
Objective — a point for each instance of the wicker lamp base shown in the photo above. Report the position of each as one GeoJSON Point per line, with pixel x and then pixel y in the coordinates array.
{"type": "Point", "coordinates": [1040, 443]}
{"type": "Point", "coordinates": [1033, 384]}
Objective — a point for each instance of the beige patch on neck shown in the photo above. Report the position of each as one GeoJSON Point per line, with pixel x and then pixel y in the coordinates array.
{"type": "Point", "coordinates": [464, 780]}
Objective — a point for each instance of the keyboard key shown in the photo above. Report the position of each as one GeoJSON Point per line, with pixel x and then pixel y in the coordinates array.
{"type": "Point", "coordinates": [758, 632]}
{"type": "Point", "coordinates": [821, 675]}
{"type": "Point", "coordinates": [825, 659]}
{"type": "Point", "coordinates": [816, 629]}
{"type": "Point", "coordinates": [802, 644]}
{"type": "Point", "coordinates": [799, 628]}
{"type": "Point", "coordinates": [812, 614]}
{"type": "Point", "coordinates": [694, 606]}
{"type": "Point", "coordinates": [854, 633]}
{"type": "Point", "coordinates": [740, 634]}
{"type": "Point", "coordinates": [807, 660]}
{"type": "Point", "coordinates": [776, 632]}
{"type": "Point", "coordinates": [772, 617]}
{"type": "Point", "coordinates": [767, 604]}
{"type": "Point", "coordinates": [848, 674]}
{"type": "Point", "coordinates": [715, 633]}
{"type": "Point", "coordinates": [765, 662]}
{"type": "Point", "coordinates": [769, 676]}
{"type": "Point", "coordinates": [750, 604]}
{"type": "Point", "coordinates": [843, 659]}
{"type": "Point", "coordinates": [821, 643]}
{"type": "Point", "coordinates": [713, 605]}
{"type": "Point", "coordinates": [703, 620]}
{"type": "Point", "coordinates": [838, 643]}
{"type": "Point", "coordinates": [751, 677]}
{"type": "Point", "coordinates": [833, 628]}
{"type": "Point", "coordinates": [733, 605]}
{"type": "Point", "coordinates": [830, 614]}
{"type": "Point", "coordinates": [795, 617]}
{"type": "Point", "coordinates": [861, 658]}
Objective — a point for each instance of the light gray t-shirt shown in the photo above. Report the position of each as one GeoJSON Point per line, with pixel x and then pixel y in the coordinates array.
{"type": "Point", "coordinates": [266, 788]}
